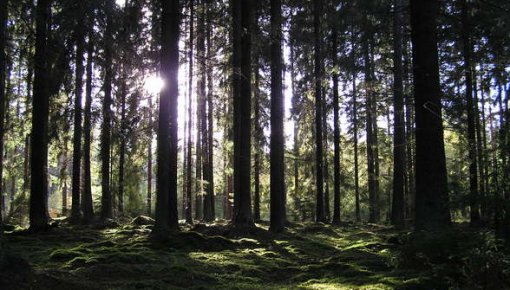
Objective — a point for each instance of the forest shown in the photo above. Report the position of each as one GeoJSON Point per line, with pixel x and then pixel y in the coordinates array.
{"type": "Point", "coordinates": [243, 144]}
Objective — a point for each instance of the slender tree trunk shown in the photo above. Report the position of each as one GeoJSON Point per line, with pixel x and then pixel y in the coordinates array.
{"type": "Point", "coordinates": [371, 142]}
{"type": "Point", "coordinates": [200, 201]}
{"type": "Point", "coordinates": [277, 146]}
{"type": "Point", "coordinates": [40, 111]}
{"type": "Point", "coordinates": [86, 201]}
{"type": "Point", "coordinates": [319, 168]}
{"type": "Point", "coordinates": [166, 202]}
{"type": "Point", "coordinates": [77, 133]}
{"type": "Point", "coordinates": [399, 141]}
{"type": "Point", "coordinates": [471, 130]}
{"type": "Point", "coordinates": [409, 123]}
{"type": "Point", "coordinates": [485, 161]}
{"type": "Point", "coordinates": [296, 111]}
{"type": "Point", "coordinates": [355, 131]}
{"type": "Point", "coordinates": [258, 143]}
{"type": "Point", "coordinates": [122, 145]}
{"type": "Point", "coordinates": [106, 196]}
{"type": "Point", "coordinates": [63, 176]}
{"type": "Point", "coordinates": [325, 131]}
{"type": "Point", "coordinates": [149, 161]}
{"type": "Point", "coordinates": [432, 206]}
{"type": "Point", "coordinates": [480, 154]}
{"type": "Point", "coordinates": [210, 118]}
{"type": "Point", "coordinates": [242, 112]}
{"type": "Point", "coordinates": [336, 130]}
{"type": "Point", "coordinates": [3, 68]}
{"type": "Point", "coordinates": [189, 181]}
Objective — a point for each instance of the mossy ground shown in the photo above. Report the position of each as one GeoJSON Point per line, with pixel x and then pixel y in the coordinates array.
{"type": "Point", "coordinates": [306, 256]}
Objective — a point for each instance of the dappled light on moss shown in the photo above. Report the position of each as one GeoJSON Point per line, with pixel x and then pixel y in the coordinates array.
{"type": "Point", "coordinates": [215, 257]}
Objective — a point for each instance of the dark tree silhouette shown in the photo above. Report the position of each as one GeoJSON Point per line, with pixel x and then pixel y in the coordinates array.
{"type": "Point", "coordinates": [241, 21]}
{"type": "Point", "coordinates": [3, 68]}
{"type": "Point", "coordinates": [40, 110]}
{"type": "Point", "coordinates": [166, 199]}
{"type": "Point", "coordinates": [336, 130]}
{"type": "Point", "coordinates": [432, 207]}
{"type": "Point", "coordinates": [278, 214]}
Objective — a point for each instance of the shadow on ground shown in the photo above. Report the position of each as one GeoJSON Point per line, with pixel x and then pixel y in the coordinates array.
{"type": "Point", "coordinates": [307, 256]}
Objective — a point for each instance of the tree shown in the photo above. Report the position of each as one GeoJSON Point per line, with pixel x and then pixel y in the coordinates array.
{"type": "Point", "coordinates": [241, 87]}
{"type": "Point", "coordinates": [278, 219]}
{"type": "Point", "coordinates": [320, 215]}
{"type": "Point", "coordinates": [336, 130]}
{"type": "Point", "coordinates": [471, 129]}
{"type": "Point", "coordinates": [432, 207]}
{"type": "Point", "coordinates": [166, 196]}
{"type": "Point", "coordinates": [40, 111]}
{"type": "Point", "coordinates": [399, 142]}
{"type": "Point", "coordinates": [3, 69]}
{"type": "Point", "coordinates": [77, 132]}
{"type": "Point", "coordinates": [106, 195]}
{"type": "Point", "coordinates": [86, 201]}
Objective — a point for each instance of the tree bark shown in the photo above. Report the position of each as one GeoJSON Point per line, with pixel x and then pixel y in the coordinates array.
{"type": "Point", "coordinates": [319, 168]}
{"type": "Point", "coordinates": [277, 146]}
{"type": "Point", "coordinates": [241, 16]}
{"type": "Point", "coordinates": [166, 203]}
{"type": "Point", "coordinates": [336, 130]}
{"type": "Point", "coordinates": [40, 110]}
{"type": "Point", "coordinates": [77, 133]}
{"type": "Point", "coordinates": [471, 129]}
{"type": "Point", "coordinates": [106, 196]}
{"type": "Point", "coordinates": [86, 202]}
{"type": "Point", "coordinates": [3, 68]}
{"type": "Point", "coordinates": [432, 205]}
{"type": "Point", "coordinates": [399, 141]}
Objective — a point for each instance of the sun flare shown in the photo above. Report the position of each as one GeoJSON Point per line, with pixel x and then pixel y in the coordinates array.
{"type": "Point", "coordinates": [153, 84]}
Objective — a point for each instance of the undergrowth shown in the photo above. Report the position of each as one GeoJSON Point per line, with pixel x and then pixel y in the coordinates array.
{"type": "Point", "coordinates": [216, 256]}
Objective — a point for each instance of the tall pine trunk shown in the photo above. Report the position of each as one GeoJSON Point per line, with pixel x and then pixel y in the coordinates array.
{"type": "Point", "coordinates": [106, 195]}
{"type": "Point", "coordinates": [277, 179]}
{"type": "Point", "coordinates": [189, 168]}
{"type": "Point", "coordinates": [241, 16]}
{"type": "Point", "coordinates": [471, 129]}
{"type": "Point", "coordinates": [320, 215]}
{"type": "Point", "coordinates": [3, 68]}
{"type": "Point", "coordinates": [336, 130]}
{"type": "Point", "coordinates": [432, 205]}
{"type": "Point", "coordinates": [399, 141]}
{"type": "Point", "coordinates": [166, 198]}
{"type": "Point", "coordinates": [40, 110]}
{"type": "Point", "coordinates": [77, 133]}
{"type": "Point", "coordinates": [86, 198]}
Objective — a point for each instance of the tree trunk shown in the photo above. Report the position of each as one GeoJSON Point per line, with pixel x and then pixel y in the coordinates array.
{"type": "Point", "coordinates": [3, 68]}
{"type": "Point", "coordinates": [355, 130]}
{"type": "Point", "coordinates": [336, 130]}
{"type": "Point", "coordinates": [77, 133]}
{"type": "Point", "coordinates": [149, 161]}
{"type": "Point", "coordinates": [432, 205]}
{"type": "Point", "coordinates": [399, 141]}
{"type": "Point", "coordinates": [471, 130]}
{"type": "Point", "coordinates": [242, 111]}
{"type": "Point", "coordinates": [166, 202]}
{"type": "Point", "coordinates": [371, 142]}
{"type": "Point", "coordinates": [106, 196]}
{"type": "Point", "coordinates": [40, 110]}
{"type": "Point", "coordinates": [258, 143]}
{"type": "Point", "coordinates": [210, 118]}
{"type": "Point", "coordinates": [277, 146]}
{"type": "Point", "coordinates": [319, 214]}
{"type": "Point", "coordinates": [122, 145]}
{"type": "Point", "coordinates": [189, 181]}
{"type": "Point", "coordinates": [86, 201]}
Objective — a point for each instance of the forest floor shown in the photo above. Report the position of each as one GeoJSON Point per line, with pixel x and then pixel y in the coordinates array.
{"type": "Point", "coordinates": [306, 256]}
